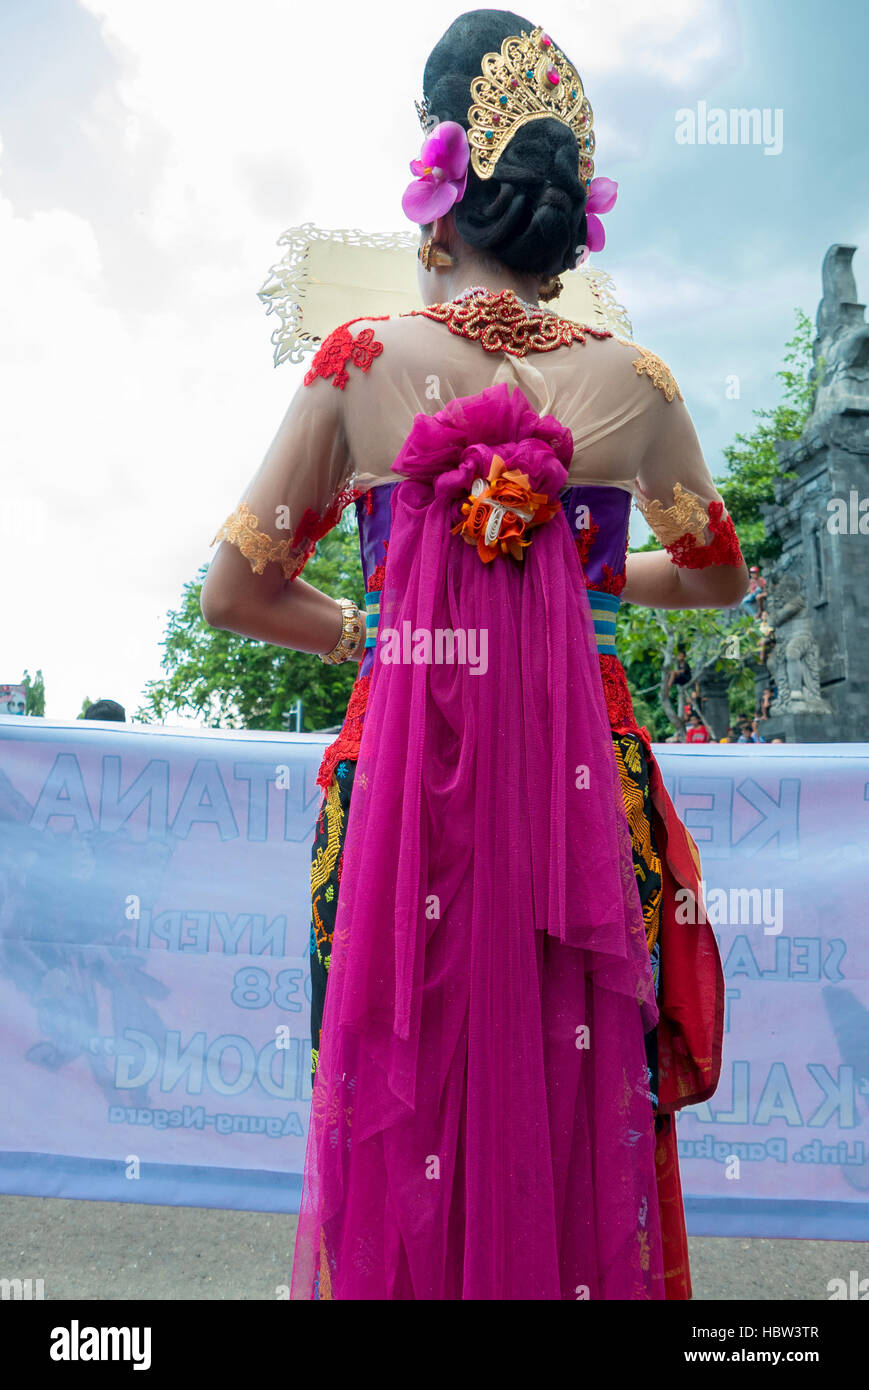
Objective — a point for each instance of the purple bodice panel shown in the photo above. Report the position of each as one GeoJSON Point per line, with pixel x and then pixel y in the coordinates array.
{"type": "Point", "coordinates": [602, 511]}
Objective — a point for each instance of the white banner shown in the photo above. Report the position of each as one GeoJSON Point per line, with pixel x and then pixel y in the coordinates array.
{"type": "Point", "coordinates": [154, 986]}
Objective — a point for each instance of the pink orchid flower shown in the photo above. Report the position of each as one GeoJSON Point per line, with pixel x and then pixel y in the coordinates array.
{"type": "Point", "coordinates": [442, 173]}
{"type": "Point", "coordinates": [602, 195]}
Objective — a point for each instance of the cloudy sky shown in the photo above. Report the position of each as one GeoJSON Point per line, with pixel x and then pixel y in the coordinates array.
{"type": "Point", "coordinates": [151, 153]}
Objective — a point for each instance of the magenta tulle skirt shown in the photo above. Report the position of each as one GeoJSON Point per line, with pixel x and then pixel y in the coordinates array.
{"type": "Point", "coordinates": [481, 1123]}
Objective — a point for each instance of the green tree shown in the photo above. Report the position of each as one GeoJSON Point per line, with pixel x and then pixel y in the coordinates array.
{"type": "Point", "coordinates": [713, 640]}
{"type": "Point", "coordinates": [726, 639]}
{"type": "Point", "coordinates": [752, 459]}
{"type": "Point", "coordinates": [235, 682]}
{"type": "Point", "coordinates": [34, 694]}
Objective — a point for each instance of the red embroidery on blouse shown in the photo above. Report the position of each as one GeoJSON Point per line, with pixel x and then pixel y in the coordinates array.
{"type": "Point", "coordinates": [500, 323]}
{"type": "Point", "coordinates": [341, 347]}
{"type": "Point", "coordinates": [585, 540]}
{"type": "Point", "coordinates": [313, 528]}
{"type": "Point", "coordinates": [723, 549]}
{"type": "Point", "coordinates": [610, 582]}
{"type": "Point", "coordinates": [369, 501]}
{"type": "Point", "coordinates": [377, 576]}
{"type": "Point", "coordinates": [618, 701]}
{"type": "Point", "coordinates": [347, 743]}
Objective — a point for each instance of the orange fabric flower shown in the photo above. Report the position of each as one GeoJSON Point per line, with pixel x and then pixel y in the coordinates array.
{"type": "Point", "coordinates": [500, 510]}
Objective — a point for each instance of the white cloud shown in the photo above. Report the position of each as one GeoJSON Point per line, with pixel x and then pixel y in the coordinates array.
{"type": "Point", "coordinates": [126, 437]}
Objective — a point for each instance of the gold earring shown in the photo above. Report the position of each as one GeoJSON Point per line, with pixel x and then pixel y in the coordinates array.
{"type": "Point", "coordinates": [550, 288]}
{"type": "Point", "coordinates": [432, 253]}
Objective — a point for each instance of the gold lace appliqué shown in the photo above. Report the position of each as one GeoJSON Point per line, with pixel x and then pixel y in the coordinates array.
{"type": "Point", "coordinates": [647, 364]}
{"type": "Point", "coordinates": [241, 528]}
{"type": "Point", "coordinates": [687, 515]}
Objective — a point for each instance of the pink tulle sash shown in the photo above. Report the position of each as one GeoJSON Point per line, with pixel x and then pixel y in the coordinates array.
{"type": "Point", "coordinates": [481, 1126]}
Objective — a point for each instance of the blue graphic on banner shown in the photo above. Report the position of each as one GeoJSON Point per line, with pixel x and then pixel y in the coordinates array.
{"type": "Point", "coordinates": [155, 992]}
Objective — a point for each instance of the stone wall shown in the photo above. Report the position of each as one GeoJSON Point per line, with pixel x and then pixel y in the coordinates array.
{"type": "Point", "coordinates": [819, 586]}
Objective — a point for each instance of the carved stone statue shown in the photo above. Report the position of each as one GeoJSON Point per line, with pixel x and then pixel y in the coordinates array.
{"type": "Point", "coordinates": [794, 661]}
{"type": "Point", "coordinates": [819, 582]}
{"type": "Point", "coordinates": [842, 341]}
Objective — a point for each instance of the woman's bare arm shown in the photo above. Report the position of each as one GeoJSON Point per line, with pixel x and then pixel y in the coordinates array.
{"type": "Point", "coordinates": [655, 582]}
{"type": "Point", "coordinates": [286, 613]}
{"type": "Point", "coordinates": [296, 487]}
{"type": "Point", "coordinates": [678, 499]}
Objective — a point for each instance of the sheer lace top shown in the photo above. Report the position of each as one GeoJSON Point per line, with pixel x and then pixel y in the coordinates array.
{"type": "Point", "coordinates": [347, 421]}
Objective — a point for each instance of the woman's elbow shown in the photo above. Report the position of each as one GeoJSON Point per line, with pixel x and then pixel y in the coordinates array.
{"type": "Point", "coordinates": [733, 581]}
{"type": "Point", "coordinates": [214, 608]}
{"type": "Point", "coordinates": [715, 586]}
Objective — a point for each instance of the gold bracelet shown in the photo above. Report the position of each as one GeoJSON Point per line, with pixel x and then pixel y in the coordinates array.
{"type": "Point", "coordinates": [354, 629]}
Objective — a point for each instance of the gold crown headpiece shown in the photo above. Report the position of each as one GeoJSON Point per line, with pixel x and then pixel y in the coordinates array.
{"type": "Point", "coordinates": [529, 79]}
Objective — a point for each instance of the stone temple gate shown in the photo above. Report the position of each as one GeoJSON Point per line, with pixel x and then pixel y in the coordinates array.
{"type": "Point", "coordinates": [819, 586]}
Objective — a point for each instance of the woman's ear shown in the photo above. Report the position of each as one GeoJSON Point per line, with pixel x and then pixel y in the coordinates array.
{"type": "Point", "coordinates": [444, 231]}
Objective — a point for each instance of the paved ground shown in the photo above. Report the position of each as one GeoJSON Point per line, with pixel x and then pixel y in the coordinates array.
{"type": "Point", "coordinates": [117, 1250]}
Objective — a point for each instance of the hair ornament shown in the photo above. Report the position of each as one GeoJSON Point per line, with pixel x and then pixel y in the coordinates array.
{"type": "Point", "coordinates": [528, 80]}
{"type": "Point", "coordinates": [602, 194]}
{"type": "Point", "coordinates": [441, 173]}
{"type": "Point", "coordinates": [426, 119]}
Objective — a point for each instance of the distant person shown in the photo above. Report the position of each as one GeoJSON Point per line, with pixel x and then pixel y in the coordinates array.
{"type": "Point", "coordinates": [696, 731]}
{"type": "Point", "coordinates": [106, 709]}
{"type": "Point", "coordinates": [681, 672]}
{"type": "Point", "coordinates": [767, 639]}
{"type": "Point", "coordinates": [754, 599]}
{"type": "Point", "coordinates": [12, 700]}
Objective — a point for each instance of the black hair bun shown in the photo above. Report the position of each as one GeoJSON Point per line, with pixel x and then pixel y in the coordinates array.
{"type": "Point", "coordinates": [531, 214]}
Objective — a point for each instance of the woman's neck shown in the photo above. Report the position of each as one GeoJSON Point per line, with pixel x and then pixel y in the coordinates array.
{"type": "Point", "coordinates": [453, 281]}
